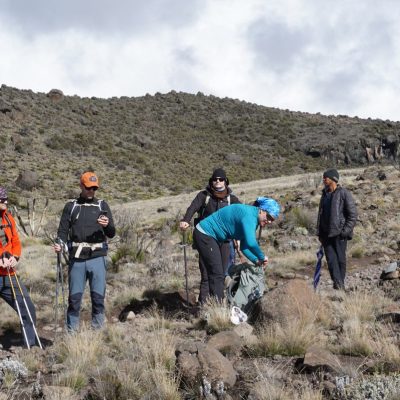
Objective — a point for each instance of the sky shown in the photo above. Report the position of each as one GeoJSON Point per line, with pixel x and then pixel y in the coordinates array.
{"type": "Point", "coordinates": [328, 56]}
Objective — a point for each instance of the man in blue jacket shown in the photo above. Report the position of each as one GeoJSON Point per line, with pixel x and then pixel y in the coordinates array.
{"type": "Point", "coordinates": [240, 222]}
{"type": "Point", "coordinates": [337, 217]}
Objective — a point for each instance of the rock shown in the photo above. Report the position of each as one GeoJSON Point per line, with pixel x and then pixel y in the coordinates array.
{"type": "Point", "coordinates": [55, 95]}
{"type": "Point", "coordinates": [196, 360]}
{"type": "Point", "coordinates": [318, 359]}
{"type": "Point", "coordinates": [244, 330]}
{"type": "Point", "coordinates": [284, 302]}
{"type": "Point", "coordinates": [130, 316]}
{"type": "Point", "coordinates": [227, 342]}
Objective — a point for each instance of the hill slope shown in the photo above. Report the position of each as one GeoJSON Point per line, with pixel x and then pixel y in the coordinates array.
{"type": "Point", "coordinates": [168, 143]}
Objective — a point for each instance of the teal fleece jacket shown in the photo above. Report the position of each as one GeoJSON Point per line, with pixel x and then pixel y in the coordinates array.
{"type": "Point", "coordinates": [238, 221]}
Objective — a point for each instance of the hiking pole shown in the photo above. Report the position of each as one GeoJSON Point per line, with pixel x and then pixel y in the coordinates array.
{"type": "Point", "coordinates": [59, 282]}
{"type": "Point", "coordinates": [184, 236]}
{"type": "Point", "coordinates": [28, 311]}
{"type": "Point", "coordinates": [18, 309]}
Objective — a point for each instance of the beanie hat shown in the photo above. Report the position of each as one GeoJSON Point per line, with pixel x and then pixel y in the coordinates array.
{"type": "Point", "coordinates": [269, 205]}
{"type": "Point", "coordinates": [89, 179]}
{"type": "Point", "coordinates": [332, 174]}
{"type": "Point", "coordinates": [219, 173]}
{"type": "Point", "coordinates": [3, 193]}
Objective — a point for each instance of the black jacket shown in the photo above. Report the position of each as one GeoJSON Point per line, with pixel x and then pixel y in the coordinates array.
{"type": "Point", "coordinates": [343, 215]}
{"type": "Point", "coordinates": [214, 204]}
{"type": "Point", "coordinates": [79, 224]}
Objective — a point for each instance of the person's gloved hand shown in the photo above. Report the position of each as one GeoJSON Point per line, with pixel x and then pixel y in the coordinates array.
{"type": "Point", "coordinates": [10, 262]}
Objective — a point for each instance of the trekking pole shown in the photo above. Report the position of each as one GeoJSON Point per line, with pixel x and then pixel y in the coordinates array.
{"type": "Point", "coordinates": [28, 311]}
{"type": "Point", "coordinates": [184, 237]}
{"type": "Point", "coordinates": [18, 309]}
{"type": "Point", "coordinates": [59, 282]}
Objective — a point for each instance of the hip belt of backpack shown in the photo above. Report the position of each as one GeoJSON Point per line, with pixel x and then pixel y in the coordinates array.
{"type": "Point", "coordinates": [84, 245]}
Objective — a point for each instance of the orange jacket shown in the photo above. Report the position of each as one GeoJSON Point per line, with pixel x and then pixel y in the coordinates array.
{"type": "Point", "coordinates": [11, 243]}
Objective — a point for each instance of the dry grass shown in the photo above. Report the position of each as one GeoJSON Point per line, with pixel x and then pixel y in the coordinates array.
{"type": "Point", "coordinates": [217, 316]}
{"type": "Point", "coordinates": [361, 305]}
{"type": "Point", "coordinates": [291, 338]}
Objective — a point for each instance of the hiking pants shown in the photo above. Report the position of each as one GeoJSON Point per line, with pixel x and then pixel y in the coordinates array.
{"type": "Point", "coordinates": [80, 271]}
{"type": "Point", "coordinates": [212, 265]}
{"type": "Point", "coordinates": [335, 253]}
{"type": "Point", "coordinates": [7, 294]}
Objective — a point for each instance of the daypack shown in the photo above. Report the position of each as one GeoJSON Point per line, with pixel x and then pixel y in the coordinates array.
{"type": "Point", "coordinates": [200, 213]}
{"type": "Point", "coordinates": [246, 287]}
{"type": "Point", "coordinates": [78, 206]}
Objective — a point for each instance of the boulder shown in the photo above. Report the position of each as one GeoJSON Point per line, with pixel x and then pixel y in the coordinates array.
{"type": "Point", "coordinates": [285, 302]}
{"type": "Point", "coordinates": [227, 342]}
{"type": "Point", "coordinates": [196, 360]}
{"type": "Point", "coordinates": [55, 95]}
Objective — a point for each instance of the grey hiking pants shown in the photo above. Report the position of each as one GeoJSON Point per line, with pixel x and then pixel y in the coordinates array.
{"type": "Point", "coordinates": [335, 253]}
{"type": "Point", "coordinates": [7, 294]}
{"type": "Point", "coordinates": [80, 271]}
{"type": "Point", "coordinates": [211, 257]}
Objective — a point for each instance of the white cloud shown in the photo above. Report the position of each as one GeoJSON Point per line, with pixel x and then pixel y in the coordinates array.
{"type": "Point", "coordinates": [333, 57]}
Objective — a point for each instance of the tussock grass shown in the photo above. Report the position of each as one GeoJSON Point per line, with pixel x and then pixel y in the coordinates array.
{"type": "Point", "coordinates": [361, 305]}
{"type": "Point", "coordinates": [270, 385]}
{"type": "Point", "coordinates": [292, 261]}
{"type": "Point", "coordinates": [217, 316]}
{"type": "Point", "coordinates": [291, 338]}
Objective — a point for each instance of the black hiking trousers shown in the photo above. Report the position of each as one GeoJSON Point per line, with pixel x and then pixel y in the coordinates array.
{"type": "Point", "coordinates": [7, 294]}
{"type": "Point", "coordinates": [211, 266]}
{"type": "Point", "coordinates": [335, 253]}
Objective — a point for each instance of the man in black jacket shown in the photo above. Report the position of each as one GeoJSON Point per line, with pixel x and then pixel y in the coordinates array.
{"type": "Point", "coordinates": [337, 217]}
{"type": "Point", "coordinates": [85, 225]}
{"type": "Point", "coordinates": [216, 195]}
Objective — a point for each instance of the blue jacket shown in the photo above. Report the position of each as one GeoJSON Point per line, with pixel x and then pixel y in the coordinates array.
{"type": "Point", "coordinates": [238, 221]}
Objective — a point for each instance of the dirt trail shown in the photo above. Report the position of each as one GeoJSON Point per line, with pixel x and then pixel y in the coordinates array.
{"type": "Point", "coordinates": [152, 210]}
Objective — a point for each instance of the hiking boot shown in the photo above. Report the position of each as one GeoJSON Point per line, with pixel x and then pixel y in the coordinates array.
{"type": "Point", "coordinates": [227, 281]}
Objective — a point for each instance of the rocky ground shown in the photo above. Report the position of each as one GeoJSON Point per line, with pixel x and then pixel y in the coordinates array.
{"type": "Point", "coordinates": [238, 362]}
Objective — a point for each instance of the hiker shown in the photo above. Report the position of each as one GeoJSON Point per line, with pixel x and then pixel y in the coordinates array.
{"type": "Point", "coordinates": [337, 217]}
{"type": "Point", "coordinates": [240, 222]}
{"type": "Point", "coordinates": [10, 253]}
{"type": "Point", "coordinates": [85, 225]}
{"type": "Point", "coordinates": [215, 196]}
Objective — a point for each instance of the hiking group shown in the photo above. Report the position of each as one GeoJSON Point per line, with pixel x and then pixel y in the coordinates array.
{"type": "Point", "coordinates": [222, 227]}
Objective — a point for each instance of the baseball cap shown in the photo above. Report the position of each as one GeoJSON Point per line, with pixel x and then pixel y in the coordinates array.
{"type": "Point", "coordinates": [89, 179]}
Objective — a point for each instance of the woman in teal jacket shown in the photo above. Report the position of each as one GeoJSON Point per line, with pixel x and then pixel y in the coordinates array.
{"type": "Point", "coordinates": [240, 222]}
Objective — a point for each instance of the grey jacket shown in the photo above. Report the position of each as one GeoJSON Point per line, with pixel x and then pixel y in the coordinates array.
{"type": "Point", "coordinates": [343, 214]}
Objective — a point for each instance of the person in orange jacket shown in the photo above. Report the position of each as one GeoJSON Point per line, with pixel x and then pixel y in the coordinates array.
{"type": "Point", "coordinates": [10, 252]}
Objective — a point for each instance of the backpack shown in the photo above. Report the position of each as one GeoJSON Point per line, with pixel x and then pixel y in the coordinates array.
{"type": "Point", "coordinates": [246, 287]}
{"type": "Point", "coordinates": [200, 213]}
{"type": "Point", "coordinates": [75, 205]}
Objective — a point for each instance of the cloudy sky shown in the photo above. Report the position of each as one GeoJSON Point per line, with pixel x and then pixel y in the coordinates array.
{"type": "Point", "coordinates": [327, 56]}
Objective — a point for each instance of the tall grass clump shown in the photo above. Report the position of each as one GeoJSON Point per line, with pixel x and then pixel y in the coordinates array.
{"type": "Point", "coordinates": [217, 316]}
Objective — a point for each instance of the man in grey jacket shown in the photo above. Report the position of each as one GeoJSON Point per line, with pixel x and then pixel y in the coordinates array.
{"type": "Point", "coordinates": [337, 217]}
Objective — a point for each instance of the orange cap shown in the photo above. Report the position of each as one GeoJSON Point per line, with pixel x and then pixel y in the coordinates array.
{"type": "Point", "coordinates": [89, 179]}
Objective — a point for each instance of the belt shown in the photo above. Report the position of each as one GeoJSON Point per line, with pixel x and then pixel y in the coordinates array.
{"type": "Point", "coordinates": [80, 246]}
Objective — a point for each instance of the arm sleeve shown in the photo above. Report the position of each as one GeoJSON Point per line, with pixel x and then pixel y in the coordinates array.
{"type": "Point", "coordinates": [109, 230]}
{"type": "Point", "coordinates": [350, 212]}
{"type": "Point", "coordinates": [194, 207]}
{"type": "Point", "coordinates": [64, 226]}
{"type": "Point", "coordinates": [15, 242]}
{"type": "Point", "coordinates": [249, 245]}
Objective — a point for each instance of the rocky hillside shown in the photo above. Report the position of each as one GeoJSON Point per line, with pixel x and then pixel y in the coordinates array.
{"type": "Point", "coordinates": [164, 144]}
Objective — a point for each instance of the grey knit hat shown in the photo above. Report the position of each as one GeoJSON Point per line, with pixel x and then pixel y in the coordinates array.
{"type": "Point", "coordinates": [332, 174]}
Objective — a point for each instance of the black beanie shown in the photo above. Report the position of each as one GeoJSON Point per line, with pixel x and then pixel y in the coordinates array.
{"type": "Point", "coordinates": [332, 174]}
{"type": "Point", "coordinates": [219, 173]}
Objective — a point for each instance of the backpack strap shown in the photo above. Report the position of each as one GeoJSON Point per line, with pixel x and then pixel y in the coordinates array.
{"type": "Point", "coordinates": [229, 199]}
{"type": "Point", "coordinates": [75, 205]}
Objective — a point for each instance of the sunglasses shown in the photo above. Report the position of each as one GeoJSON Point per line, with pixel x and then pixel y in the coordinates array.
{"type": "Point", "coordinates": [218, 180]}
{"type": "Point", "coordinates": [3, 200]}
{"type": "Point", "coordinates": [94, 188]}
